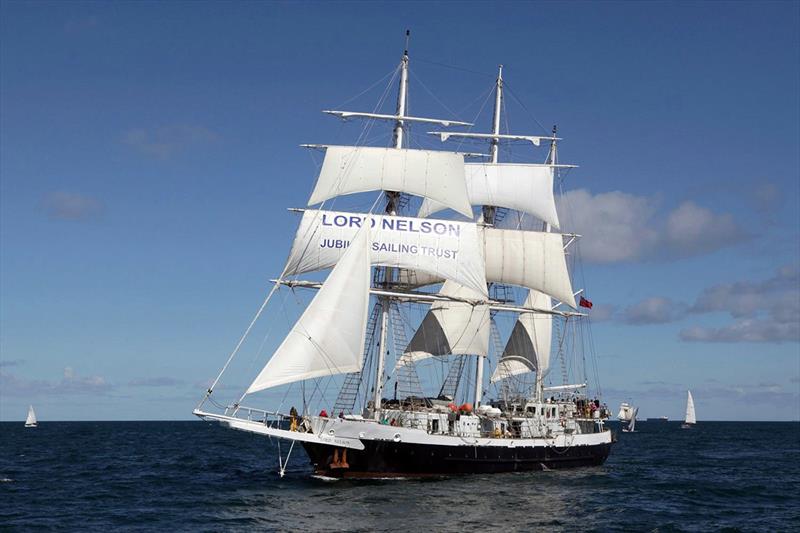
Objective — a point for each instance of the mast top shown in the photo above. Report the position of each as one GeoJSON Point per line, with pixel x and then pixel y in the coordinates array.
{"type": "Point", "coordinates": [408, 36]}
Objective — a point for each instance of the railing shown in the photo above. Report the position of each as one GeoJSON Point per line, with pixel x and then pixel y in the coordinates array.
{"type": "Point", "coordinates": [259, 416]}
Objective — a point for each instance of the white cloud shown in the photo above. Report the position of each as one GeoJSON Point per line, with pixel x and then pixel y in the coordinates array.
{"type": "Point", "coordinates": [766, 197]}
{"type": "Point", "coordinates": [692, 230]}
{"type": "Point", "coordinates": [163, 142]}
{"type": "Point", "coordinates": [765, 311]}
{"type": "Point", "coordinates": [155, 382]}
{"type": "Point", "coordinates": [602, 312]}
{"type": "Point", "coordinates": [71, 383]}
{"type": "Point", "coordinates": [618, 226]}
{"type": "Point", "coordinates": [78, 25]}
{"type": "Point", "coordinates": [746, 330]}
{"type": "Point", "coordinates": [71, 206]}
{"type": "Point", "coordinates": [654, 310]}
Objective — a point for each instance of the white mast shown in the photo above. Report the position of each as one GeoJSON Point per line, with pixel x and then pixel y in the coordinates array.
{"type": "Point", "coordinates": [489, 210]}
{"type": "Point", "coordinates": [552, 159]}
{"type": "Point", "coordinates": [391, 208]}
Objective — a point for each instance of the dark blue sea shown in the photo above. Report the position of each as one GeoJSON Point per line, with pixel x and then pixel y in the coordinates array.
{"type": "Point", "coordinates": [195, 476]}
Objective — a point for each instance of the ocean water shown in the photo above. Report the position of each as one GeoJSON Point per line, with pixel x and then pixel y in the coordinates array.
{"type": "Point", "coordinates": [196, 476]}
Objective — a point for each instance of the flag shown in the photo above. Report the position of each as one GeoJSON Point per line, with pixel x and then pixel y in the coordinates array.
{"type": "Point", "coordinates": [585, 303]}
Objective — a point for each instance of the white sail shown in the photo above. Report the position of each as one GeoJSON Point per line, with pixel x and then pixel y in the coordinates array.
{"type": "Point", "coordinates": [526, 188]}
{"type": "Point", "coordinates": [632, 423]}
{"type": "Point", "coordinates": [442, 248]}
{"type": "Point", "coordinates": [457, 328]}
{"type": "Point", "coordinates": [528, 347]}
{"type": "Point", "coordinates": [625, 412]}
{"type": "Point", "coordinates": [690, 415]}
{"type": "Point", "coordinates": [328, 338]}
{"type": "Point", "coordinates": [438, 176]}
{"type": "Point", "coordinates": [511, 366]}
{"type": "Point", "coordinates": [531, 259]}
{"type": "Point", "coordinates": [414, 279]}
{"type": "Point", "coordinates": [30, 421]}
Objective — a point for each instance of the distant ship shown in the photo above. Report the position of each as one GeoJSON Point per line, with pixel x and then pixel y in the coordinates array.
{"type": "Point", "coordinates": [659, 419]}
{"type": "Point", "coordinates": [631, 421]}
{"type": "Point", "coordinates": [625, 412]}
{"type": "Point", "coordinates": [690, 419]}
{"type": "Point", "coordinates": [31, 422]}
{"type": "Point", "coordinates": [529, 426]}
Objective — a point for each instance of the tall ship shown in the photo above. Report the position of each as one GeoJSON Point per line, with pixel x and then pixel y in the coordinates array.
{"type": "Point", "coordinates": [447, 325]}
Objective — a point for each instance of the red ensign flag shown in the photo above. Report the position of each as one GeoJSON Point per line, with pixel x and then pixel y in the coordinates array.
{"type": "Point", "coordinates": [585, 303]}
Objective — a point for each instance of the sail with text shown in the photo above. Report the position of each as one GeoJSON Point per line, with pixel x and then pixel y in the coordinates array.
{"type": "Point", "coordinates": [325, 341]}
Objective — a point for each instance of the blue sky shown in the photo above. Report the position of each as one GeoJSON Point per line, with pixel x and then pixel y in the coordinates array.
{"type": "Point", "coordinates": [148, 152]}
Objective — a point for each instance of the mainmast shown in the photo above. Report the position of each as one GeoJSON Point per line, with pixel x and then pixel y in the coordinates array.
{"type": "Point", "coordinates": [494, 146]}
{"type": "Point", "coordinates": [489, 210]}
{"type": "Point", "coordinates": [392, 198]}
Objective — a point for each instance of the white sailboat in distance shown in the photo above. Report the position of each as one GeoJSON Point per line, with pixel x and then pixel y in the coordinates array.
{"type": "Point", "coordinates": [631, 421]}
{"type": "Point", "coordinates": [691, 419]}
{"type": "Point", "coordinates": [31, 422]}
{"type": "Point", "coordinates": [625, 412]}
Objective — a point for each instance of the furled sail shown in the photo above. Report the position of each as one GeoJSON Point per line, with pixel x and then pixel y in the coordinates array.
{"type": "Point", "coordinates": [526, 188]}
{"type": "Point", "coordinates": [528, 347]}
{"type": "Point", "coordinates": [531, 259]}
{"type": "Point", "coordinates": [328, 338]}
{"type": "Point", "coordinates": [438, 176]}
{"type": "Point", "coordinates": [451, 327]}
{"type": "Point", "coordinates": [442, 248]}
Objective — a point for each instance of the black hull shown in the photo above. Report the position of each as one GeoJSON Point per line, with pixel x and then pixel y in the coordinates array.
{"type": "Point", "coordinates": [393, 459]}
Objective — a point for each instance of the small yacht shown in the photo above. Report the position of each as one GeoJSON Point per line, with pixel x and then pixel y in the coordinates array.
{"type": "Point", "coordinates": [31, 422]}
{"type": "Point", "coordinates": [690, 419]}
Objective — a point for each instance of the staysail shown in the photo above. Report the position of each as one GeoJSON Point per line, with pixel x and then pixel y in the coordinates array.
{"type": "Point", "coordinates": [525, 188]}
{"type": "Point", "coordinates": [451, 327]}
{"type": "Point", "coordinates": [528, 347]}
{"type": "Point", "coordinates": [442, 248]}
{"type": "Point", "coordinates": [328, 338]}
{"type": "Point", "coordinates": [436, 175]}
{"type": "Point", "coordinates": [690, 415]}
